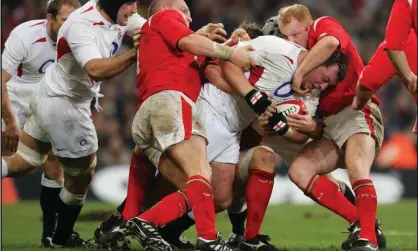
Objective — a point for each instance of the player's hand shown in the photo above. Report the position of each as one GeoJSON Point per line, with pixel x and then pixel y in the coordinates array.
{"type": "Point", "coordinates": [263, 127]}
{"type": "Point", "coordinates": [11, 136]}
{"type": "Point", "coordinates": [214, 32]}
{"type": "Point", "coordinates": [238, 35]}
{"type": "Point", "coordinates": [137, 37]}
{"type": "Point", "coordinates": [411, 83]}
{"type": "Point", "coordinates": [241, 57]}
{"type": "Point", "coordinates": [297, 84]}
{"type": "Point", "coordinates": [303, 123]}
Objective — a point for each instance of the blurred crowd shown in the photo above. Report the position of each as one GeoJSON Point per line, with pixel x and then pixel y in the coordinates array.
{"type": "Point", "coordinates": [365, 20]}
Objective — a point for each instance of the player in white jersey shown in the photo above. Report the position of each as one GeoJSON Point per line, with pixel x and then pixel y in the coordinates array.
{"type": "Point", "coordinates": [29, 51]}
{"type": "Point", "coordinates": [60, 107]}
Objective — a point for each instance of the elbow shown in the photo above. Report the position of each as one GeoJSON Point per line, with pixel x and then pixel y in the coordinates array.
{"type": "Point", "coordinates": [332, 42]}
{"type": "Point", "coordinates": [94, 73]}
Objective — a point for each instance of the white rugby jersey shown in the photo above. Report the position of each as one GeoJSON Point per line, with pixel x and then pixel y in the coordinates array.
{"type": "Point", "coordinates": [276, 61]}
{"type": "Point", "coordinates": [84, 36]}
{"type": "Point", "coordinates": [28, 53]}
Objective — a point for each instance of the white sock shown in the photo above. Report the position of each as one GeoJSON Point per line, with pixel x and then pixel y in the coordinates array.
{"type": "Point", "coordinates": [51, 183]}
{"type": "Point", "coordinates": [4, 168]}
{"type": "Point", "coordinates": [191, 215]}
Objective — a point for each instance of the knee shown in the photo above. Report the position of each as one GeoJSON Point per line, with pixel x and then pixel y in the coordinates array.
{"type": "Point", "coordinates": [300, 173]}
{"type": "Point", "coordinates": [222, 202]}
{"type": "Point", "coordinates": [263, 159]}
{"type": "Point", "coordinates": [52, 169]}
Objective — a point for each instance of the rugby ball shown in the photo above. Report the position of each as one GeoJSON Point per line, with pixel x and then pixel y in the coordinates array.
{"type": "Point", "coordinates": [290, 106]}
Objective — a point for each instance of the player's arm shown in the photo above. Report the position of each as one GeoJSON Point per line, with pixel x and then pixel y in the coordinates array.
{"type": "Point", "coordinates": [170, 25]}
{"type": "Point", "coordinates": [13, 55]}
{"type": "Point", "coordinates": [6, 109]}
{"type": "Point", "coordinates": [363, 95]}
{"type": "Point", "coordinates": [213, 73]}
{"type": "Point", "coordinates": [105, 68]}
{"type": "Point", "coordinates": [397, 32]}
{"type": "Point", "coordinates": [331, 36]}
{"type": "Point", "coordinates": [82, 42]}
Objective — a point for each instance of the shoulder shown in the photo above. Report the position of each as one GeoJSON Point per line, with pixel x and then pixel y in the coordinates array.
{"type": "Point", "coordinates": [325, 20]}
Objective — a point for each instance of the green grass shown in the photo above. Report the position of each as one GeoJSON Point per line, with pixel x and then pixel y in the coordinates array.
{"type": "Point", "coordinates": [291, 227]}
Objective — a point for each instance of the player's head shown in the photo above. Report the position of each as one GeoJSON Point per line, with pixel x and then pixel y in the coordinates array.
{"type": "Point", "coordinates": [271, 27]}
{"type": "Point", "coordinates": [57, 11]}
{"type": "Point", "coordinates": [119, 10]}
{"type": "Point", "coordinates": [252, 29]}
{"type": "Point", "coordinates": [294, 23]}
{"type": "Point", "coordinates": [328, 74]}
{"type": "Point", "coordinates": [178, 5]}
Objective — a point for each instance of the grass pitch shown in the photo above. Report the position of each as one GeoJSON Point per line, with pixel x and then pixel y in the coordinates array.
{"type": "Point", "coordinates": [291, 227]}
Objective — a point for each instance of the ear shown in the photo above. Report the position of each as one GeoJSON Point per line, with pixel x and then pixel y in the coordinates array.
{"type": "Point", "coordinates": [50, 18]}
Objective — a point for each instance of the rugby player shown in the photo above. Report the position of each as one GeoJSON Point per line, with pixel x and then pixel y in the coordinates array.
{"type": "Point", "coordinates": [29, 51]}
{"type": "Point", "coordinates": [60, 106]}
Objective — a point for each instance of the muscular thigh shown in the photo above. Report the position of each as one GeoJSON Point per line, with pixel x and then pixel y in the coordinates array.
{"type": "Point", "coordinates": [320, 156]}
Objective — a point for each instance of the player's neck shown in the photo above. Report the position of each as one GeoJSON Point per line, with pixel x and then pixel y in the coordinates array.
{"type": "Point", "coordinates": [104, 14]}
{"type": "Point", "coordinates": [51, 33]}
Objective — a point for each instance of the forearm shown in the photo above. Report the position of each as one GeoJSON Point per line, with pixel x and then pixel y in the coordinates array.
{"type": "Point", "coordinates": [363, 95]}
{"type": "Point", "coordinates": [6, 108]}
{"type": "Point", "coordinates": [235, 77]}
{"type": "Point", "coordinates": [317, 132]}
{"type": "Point", "coordinates": [201, 46]}
{"type": "Point", "coordinates": [400, 62]}
{"type": "Point", "coordinates": [106, 68]}
{"type": "Point", "coordinates": [318, 54]}
{"type": "Point", "coordinates": [295, 137]}
{"type": "Point", "coordinates": [213, 73]}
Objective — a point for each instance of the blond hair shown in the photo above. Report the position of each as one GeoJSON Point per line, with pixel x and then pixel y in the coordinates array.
{"type": "Point", "coordinates": [298, 11]}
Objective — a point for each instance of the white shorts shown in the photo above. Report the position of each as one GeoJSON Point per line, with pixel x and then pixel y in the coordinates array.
{"type": "Point", "coordinates": [19, 100]}
{"type": "Point", "coordinates": [64, 124]}
{"type": "Point", "coordinates": [223, 144]}
{"type": "Point", "coordinates": [287, 150]}
{"type": "Point", "coordinates": [165, 119]}
{"type": "Point", "coordinates": [341, 126]}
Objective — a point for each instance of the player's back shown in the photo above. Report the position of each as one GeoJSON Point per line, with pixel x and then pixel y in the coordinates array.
{"type": "Point", "coordinates": [85, 35]}
{"type": "Point", "coordinates": [28, 53]}
{"type": "Point", "coordinates": [162, 65]}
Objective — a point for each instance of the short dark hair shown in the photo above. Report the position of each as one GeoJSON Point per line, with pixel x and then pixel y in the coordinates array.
{"type": "Point", "coordinates": [53, 6]}
{"type": "Point", "coordinates": [253, 29]}
{"type": "Point", "coordinates": [342, 61]}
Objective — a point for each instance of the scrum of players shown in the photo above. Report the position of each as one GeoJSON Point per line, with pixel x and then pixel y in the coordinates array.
{"type": "Point", "coordinates": [297, 88]}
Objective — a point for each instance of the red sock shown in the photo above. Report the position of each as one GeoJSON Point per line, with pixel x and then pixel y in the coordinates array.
{"type": "Point", "coordinates": [141, 174]}
{"type": "Point", "coordinates": [199, 194]}
{"type": "Point", "coordinates": [257, 195]}
{"type": "Point", "coordinates": [168, 209]}
{"type": "Point", "coordinates": [366, 203]}
{"type": "Point", "coordinates": [326, 193]}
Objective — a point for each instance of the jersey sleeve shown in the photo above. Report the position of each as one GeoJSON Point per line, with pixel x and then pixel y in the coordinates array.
{"type": "Point", "coordinates": [328, 26]}
{"type": "Point", "coordinates": [82, 43]}
{"type": "Point", "coordinates": [399, 25]}
{"type": "Point", "coordinates": [14, 53]}
{"type": "Point", "coordinates": [135, 21]}
{"type": "Point", "coordinates": [255, 55]}
{"type": "Point", "coordinates": [170, 25]}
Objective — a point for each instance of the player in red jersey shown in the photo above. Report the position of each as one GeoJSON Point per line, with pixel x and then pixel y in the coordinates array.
{"type": "Point", "coordinates": [401, 47]}
{"type": "Point", "coordinates": [353, 136]}
{"type": "Point", "coordinates": [166, 126]}
{"type": "Point", "coordinates": [403, 18]}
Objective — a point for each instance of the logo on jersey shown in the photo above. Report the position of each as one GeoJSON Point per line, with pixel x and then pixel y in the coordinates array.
{"type": "Point", "coordinates": [279, 90]}
{"type": "Point", "coordinates": [114, 49]}
{"type": "Point", "coordinates": [45, 65]}
{"type": "Point", "coordinates": [119, 34]}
